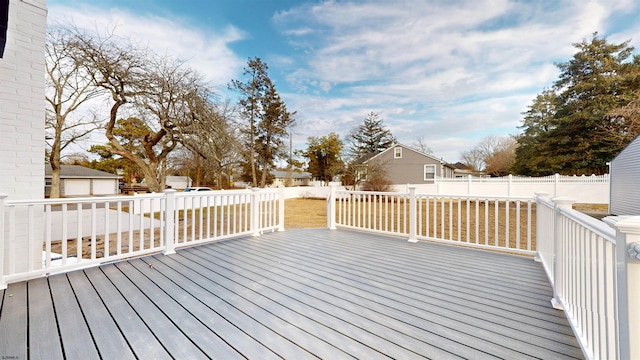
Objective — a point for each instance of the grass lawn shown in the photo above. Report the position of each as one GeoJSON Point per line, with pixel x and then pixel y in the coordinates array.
{"type": "Point", "coordinates": [305, 213]}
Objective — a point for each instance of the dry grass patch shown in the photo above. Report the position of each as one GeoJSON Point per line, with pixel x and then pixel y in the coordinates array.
{"type": "Point", "coordinates": [305, 213]}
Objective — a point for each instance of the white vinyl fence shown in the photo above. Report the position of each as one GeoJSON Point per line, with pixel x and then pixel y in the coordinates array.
{"type": "Point", "coordinates": [84, 232]}
{"type": "Point", "coordinates": [585, 189]}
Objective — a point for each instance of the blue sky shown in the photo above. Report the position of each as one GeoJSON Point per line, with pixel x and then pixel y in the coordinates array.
{"type": "Point", "coordinates": [448, 71]}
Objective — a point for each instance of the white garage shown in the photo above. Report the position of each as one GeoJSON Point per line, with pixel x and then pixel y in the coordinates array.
{"type": "Point", "coordinates": [78, 180]}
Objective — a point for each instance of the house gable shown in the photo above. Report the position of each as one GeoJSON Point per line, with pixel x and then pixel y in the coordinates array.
{"type": "Point", "coordinates": [405, 165]}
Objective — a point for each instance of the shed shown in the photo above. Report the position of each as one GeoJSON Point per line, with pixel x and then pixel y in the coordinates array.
{"type": "Point", "coordinates": [76, 180]}
{"type": "Point", "coordinates": [625, 181]}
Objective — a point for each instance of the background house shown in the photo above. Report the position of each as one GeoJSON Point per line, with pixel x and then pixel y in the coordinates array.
{"type": "Point", "coordinates": [76, 180]}
{"type": "Point", "coordinates": [404, 165]}
{"type": "Point", "coordinates": [178, 182]}
{"type": "Point", "coordinates": [624, 174]}
{"type": "Point", "coordinates": [291, 178]}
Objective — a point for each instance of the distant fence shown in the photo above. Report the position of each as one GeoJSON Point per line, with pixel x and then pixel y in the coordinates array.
{"type": "Point", "coordinates": [584, 189]}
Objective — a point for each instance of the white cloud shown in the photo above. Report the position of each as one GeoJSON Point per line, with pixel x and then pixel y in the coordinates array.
{"type": "Point", "coordinates": [206, 51]}
{"type": "Point", "coordinates": [439, 69]}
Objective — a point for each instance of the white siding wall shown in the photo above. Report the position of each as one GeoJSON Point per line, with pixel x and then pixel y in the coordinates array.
{"type": "Point", "coordinates": [22, 112]}
{"type": "Point", "coordinates": [625, 181]}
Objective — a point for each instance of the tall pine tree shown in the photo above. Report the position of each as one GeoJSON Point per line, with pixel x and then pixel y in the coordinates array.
{"type": "Point", "coordinates": [370, 138]}
{"type": "Point", "coordinates": [573, 136]}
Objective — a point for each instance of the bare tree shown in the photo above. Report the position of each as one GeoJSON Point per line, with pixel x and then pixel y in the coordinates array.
{"type": "Point", "coordinates": [69, 87]}
{"type": "Point", "coordinates": [211, 139]}
{"type": "Point", "coordinates": [154, 92]}
{"type": "Point", "coordinates": [421, 145]}
{"type": "Point", "coordinates": [494, 154]}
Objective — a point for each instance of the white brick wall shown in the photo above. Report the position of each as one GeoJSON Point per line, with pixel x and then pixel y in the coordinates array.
{"type": "Point", "coordinates": [22, 147]}
{"type": "Point", "coordinates": [22, 111]}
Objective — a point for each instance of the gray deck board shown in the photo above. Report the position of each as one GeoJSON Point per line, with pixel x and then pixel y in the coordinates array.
{"type": "Point", "coordinates": [306, 338]}
{"type": "Point", "coordinates": [177, 344]}
{"type": "Point", "coordinates": [271, 294]}
{"type": "Point", "coordinates": [43, 328]}
{"type": "Point", "coordinates": [298, 294]}
{"type": "Point", "coordinates": [227, 332]}
{"type": "Point", "coordinates": [141, 340]}
{"type": "Point", "coordinates": [77, 341]}
{"type": "Point", "coordinates": [13, 322]}
{"type": "Point", "coordinates": [110, 342]}
{"type": "Point", "coordinates": [188, 324]}
{"type": "Point", "coordinates": [232, 311]}
{"type": "Point", "coordinates": [443, 316]}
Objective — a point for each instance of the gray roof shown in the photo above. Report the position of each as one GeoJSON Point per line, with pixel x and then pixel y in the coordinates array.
{"type": "Point", "coordinates": [79, 172]}
{"type": "Point", "coordinates": [291, 174]}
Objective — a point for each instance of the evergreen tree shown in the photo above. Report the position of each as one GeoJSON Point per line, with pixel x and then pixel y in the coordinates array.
{"type": "Point", "coordinates": [571, 129]}
{"type": "Point", "coordinates": [323, 154]}
{"type": "Point", "coordinates": [370, 138]}
{"type": "Point", "coordinates": [267, 120]}
{"type": "Point", "coordinates": [531, 152]}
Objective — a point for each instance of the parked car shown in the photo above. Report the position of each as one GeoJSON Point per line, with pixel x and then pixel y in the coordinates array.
{"type": "Point", "coordinates": [197, 188]}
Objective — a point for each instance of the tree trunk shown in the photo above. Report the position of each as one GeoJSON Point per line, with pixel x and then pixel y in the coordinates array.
{"type": "Point", "coordinates": [54, 161]}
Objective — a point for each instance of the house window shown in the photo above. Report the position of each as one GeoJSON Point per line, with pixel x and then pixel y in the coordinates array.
{"type": "Point", "coordinates": [429, 172]}
{"type": "Point", "coordinates": [397, 153]}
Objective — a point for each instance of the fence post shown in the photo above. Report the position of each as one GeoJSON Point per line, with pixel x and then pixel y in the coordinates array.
{"type": "Point", "coordinates": [331, 208]}
{"type": "Point", "coordinates": [413, 221]}
{"type": "Point", "coordinates": [510, 182]}
{"type": "Point", "coordinates": [628, 278]}
{"type": "Point", "coordinates": [255, 212]}
{"type": "Point", "coordinates": [555, 184]}
{"type": "Point", "coordinates": [539, 235]}
{"type": "Point", "coordinates": [3, 284]}
{"type": "Point", "coordinates": [169, 229]}
{"type": "Point", "coordinates": [469, 182]}
{"type": "Point", "coordinates": [281, 207]}
{"type": "Point", "coordinates": [561, 202]}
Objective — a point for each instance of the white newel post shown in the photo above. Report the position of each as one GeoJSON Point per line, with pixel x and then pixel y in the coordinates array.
{"type": "Point", "coordinates": [169, 218]}
{"type": "Point", "coordinates": [255, 212]}
{"type": "Point", "coordinates": [281, 208]}
{"type": "Point", "coordinates": [628, 278]}
{"type": "Point", "coordinates": [561, 202]}
{"type": "Point", "coordinates": [331, 208]}
{"type": "Point", "coordinates": [413, 221]}
{"type": "Point", "coordinates": [3, 284]}
{"type": "Point", "coordinates": [539, 234]}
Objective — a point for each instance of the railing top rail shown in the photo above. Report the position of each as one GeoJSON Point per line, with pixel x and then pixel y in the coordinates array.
{"type": "Point", "coordinates": [596, 226]}
{"type": "Point", "coordinates": [479, 197]}
{"type": "Point", "coordinates": [79, 200]}
{"type": "Point", "coordinates": [439, 196]}
{"type": "Point", "coordinates": [359, 192]}
{"type": "Point", "coordinates": [545, 201]}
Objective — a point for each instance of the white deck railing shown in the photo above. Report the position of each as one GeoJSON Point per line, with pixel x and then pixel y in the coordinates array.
{"type": "Point", "coordinates": [593, 266]}
{"type": "Point", "coordinates": [594, 270]}
{"type": "Point", "coordinates": [39, 237]}
{"type": "Point", "coordinates": [498, 223]}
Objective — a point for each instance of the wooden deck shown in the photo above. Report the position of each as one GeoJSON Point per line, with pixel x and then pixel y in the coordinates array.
{"type": "Point", "coordinates": [297, 294]}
